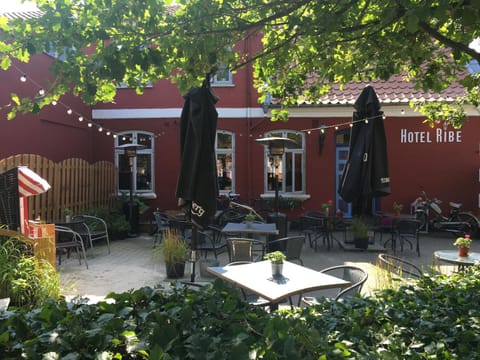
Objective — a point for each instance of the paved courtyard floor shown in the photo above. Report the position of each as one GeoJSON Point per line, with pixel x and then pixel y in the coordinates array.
{"type": "Point", "coordinates": [130, 265]}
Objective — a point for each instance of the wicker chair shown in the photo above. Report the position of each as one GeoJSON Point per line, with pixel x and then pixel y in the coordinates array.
{"type": "Point", "coordinates": [243, 249]}
{"type": "Point", "coordinates": [291, 246]}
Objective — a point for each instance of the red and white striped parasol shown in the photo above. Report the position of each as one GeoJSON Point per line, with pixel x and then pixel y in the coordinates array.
{"type": "Point", "coordinates": [29, 183]}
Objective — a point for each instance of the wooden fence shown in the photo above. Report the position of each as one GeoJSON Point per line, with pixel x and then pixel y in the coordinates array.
{"type": "Point", "coordinates": [75, 183]}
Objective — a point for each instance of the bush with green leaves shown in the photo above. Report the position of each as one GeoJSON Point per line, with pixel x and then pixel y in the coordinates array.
{"type": "Point", "coordinates": [432, 318]}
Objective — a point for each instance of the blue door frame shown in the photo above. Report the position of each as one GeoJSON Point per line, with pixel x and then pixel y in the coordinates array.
{"type": "Point", "coordinates": [341, 157]}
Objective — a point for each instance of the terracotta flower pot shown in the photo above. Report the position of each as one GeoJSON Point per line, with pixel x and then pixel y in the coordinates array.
{"type": "Point", "coordinates": [463, 251]}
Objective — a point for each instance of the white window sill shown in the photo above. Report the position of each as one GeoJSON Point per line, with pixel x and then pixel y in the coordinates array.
{"type": "Point", "coordinates": [271, 195]}
{"type": "Point", "coordinates": [142, 195]}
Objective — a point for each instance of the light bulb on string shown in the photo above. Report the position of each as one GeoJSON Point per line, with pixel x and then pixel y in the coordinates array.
{"type": "Point", "coordinates": [90, 124]}
{"type": "Point", "coordinates": [114, 136]}
{"type": "Point", "coordinates": [80, 118]}
{"type": "Point", "coordinates": [69, 111]}
{"type": "Point", "coordinates": [366, 121]}
{"type": "Point", "coordinates": [41, 92]}
{"type": "Point", "coordinates": [100, 129]}
{"type": "Point", "coordinates": [108, 133]}
{"type": "Point", "coordinates": [54, 102]}
{"type": "Point", "coordinates": [23, 78]}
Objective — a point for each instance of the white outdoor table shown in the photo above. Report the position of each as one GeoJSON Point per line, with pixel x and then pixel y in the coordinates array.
{"type": "Point", "coordinates": [255, 229]}
{"type": "Point", "coordinates": [257, 278]}
{"type": "Point", "coordinates": [451, 256]}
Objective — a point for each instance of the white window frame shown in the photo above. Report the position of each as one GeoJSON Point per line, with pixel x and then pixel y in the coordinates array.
{"type": "Point", "coordinates": [215, 81]}
{"type": "Point", "coordinates": [231, 151]}
{"type": "Point", "coordinates": [301, 150]}
{"type": "Point", "coordinates": [135, 135]}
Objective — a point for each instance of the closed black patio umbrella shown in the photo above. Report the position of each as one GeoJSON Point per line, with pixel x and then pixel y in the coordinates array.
{"type": "Point", "coordinates": [366, 173]}
{"type": "Point", "coordinates": [197, 188]}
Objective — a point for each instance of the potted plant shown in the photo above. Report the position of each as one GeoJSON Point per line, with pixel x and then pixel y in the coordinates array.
{"type": "Point", "coordinates": [463, 244]}
{"type": "Point", "coordinates": [276, 258]}
{"type": "Point", "coordinates": [326, 207]}
{"type": "Point", "coordinates": [360, 233]}
{"type": "Point", "coordinates": [68, 214]}
{"type": "Point", "coordinates": [397, 208]}
{"type": "Point", "coordinates": [175, 253]}
{"type": "Point", "coordinates": [249, 219]}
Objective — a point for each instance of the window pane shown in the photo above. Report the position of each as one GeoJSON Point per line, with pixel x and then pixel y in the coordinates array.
{"type": "Point", "coordinates": [342, 138]}
{"type": "Point", "coordinates": [144, 172]}
{"type": "Point", "coordinates": [224, 171]}
{"type": "Point", "coordinates": [224, 141]}
{"type": "Point", "coordinates": [270, 175]}
{"type": "Point", "coordinates": [288, 172]}
{"type": "Point", "coordinates": [123, 173]}
{"type": "Point", "coordinates": [145, 140]}
{"type": "Point", "coordinates": [298, 173]}
{"type": "Point", "coordinates": [222, 74]}
{"type": "Point", "coordinates": [295, 137]}
{"type": "Point", "coordinates": [125, 139]}
{"type": "Point", "coordinates": [291, 171]}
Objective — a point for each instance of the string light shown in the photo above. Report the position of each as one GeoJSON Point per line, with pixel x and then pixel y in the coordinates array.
{"type": "Point", "coordinates": [41, 92]}
{"type": "Point", "coordinates": [324, 127]}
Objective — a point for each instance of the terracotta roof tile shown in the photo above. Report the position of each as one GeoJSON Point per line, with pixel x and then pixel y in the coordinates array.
{"type": "Point", "coordinates": [393, 91]}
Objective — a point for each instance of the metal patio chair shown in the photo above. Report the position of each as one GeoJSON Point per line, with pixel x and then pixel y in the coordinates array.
{"type": "Point", "coordinates": [67, 240]}
{"type": "Point", "coordinates": [355, 275]}
{"type": "Point", "coordinates": [398, 266]}
{"type": "Point", "coordinates": [212, 240]}
{"type": "Point", "coordinates": [96, 229]}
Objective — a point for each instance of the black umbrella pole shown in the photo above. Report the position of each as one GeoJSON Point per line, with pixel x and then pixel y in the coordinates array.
{"type": "Point", "coordinates": [193, 258]}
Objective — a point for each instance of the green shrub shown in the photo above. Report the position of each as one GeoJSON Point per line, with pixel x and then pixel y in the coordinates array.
{"type": "Point", "coordinates": [433, 318]}
{"type": "Point", "coordinates": [117, 225]}
{"type": "Point", "coordinates": [26, 280]}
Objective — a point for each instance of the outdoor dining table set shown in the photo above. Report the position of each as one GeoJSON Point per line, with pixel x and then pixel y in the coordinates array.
{"type": "Point", "coordinates": [257, 278]}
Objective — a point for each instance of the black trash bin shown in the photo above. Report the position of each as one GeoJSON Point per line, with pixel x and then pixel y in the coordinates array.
{"type": "Point", "coordinates": [280, 220]}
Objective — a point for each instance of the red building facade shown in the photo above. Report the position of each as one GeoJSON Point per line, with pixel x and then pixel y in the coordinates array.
{"type": "Point", "coordinates": [442, 161]}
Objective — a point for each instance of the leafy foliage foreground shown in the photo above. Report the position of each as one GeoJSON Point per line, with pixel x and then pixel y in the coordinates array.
{"type": "Point", "coordinates": [434, 318]}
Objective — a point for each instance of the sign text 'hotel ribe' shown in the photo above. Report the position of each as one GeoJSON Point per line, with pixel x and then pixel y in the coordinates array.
{"type": "Point", "coordinates": [434, 136]}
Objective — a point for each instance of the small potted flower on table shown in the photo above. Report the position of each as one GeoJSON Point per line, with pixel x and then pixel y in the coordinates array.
{"type": "Point", "coordinates": [276, 258]}
{"type": "Point", "coordinates": [249, 219]}
{"type": "Point", "coordinates": [463, 244]}
{"type": "Point", "coordinates": [397, 208]}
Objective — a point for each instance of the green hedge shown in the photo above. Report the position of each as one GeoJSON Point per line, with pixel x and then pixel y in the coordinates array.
{"type": "Point", "coordinates": [435, 318]}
